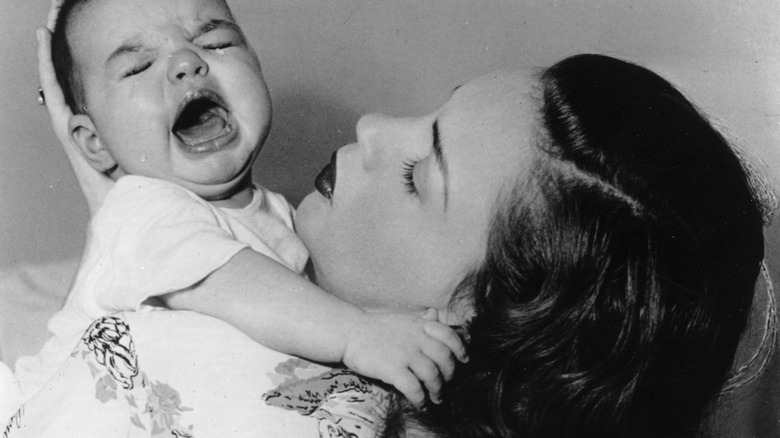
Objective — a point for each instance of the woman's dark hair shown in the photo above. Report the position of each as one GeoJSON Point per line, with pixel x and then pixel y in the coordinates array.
{"type": "Point", "coordinates": [619, 276]}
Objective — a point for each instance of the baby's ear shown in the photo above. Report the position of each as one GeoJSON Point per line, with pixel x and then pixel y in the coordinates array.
{"type": "Point", "coordinates": [84, 135]}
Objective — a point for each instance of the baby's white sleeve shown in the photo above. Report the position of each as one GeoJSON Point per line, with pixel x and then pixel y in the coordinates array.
{"type": "Point", "coordinates": [156, 238]}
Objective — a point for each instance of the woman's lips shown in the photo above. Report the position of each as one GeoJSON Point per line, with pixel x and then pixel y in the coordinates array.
{"type": "Point", "coordinates": [326, 179]}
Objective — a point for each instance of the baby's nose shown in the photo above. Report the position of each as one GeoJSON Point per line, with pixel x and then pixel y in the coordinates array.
{"type": "Point", "coordinates": [185, 63]}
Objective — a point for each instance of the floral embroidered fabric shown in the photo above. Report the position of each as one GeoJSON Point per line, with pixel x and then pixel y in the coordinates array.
{"type": "Point", "coordinates": [180, 374]}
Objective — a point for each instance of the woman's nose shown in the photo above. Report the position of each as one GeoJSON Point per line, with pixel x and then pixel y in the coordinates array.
{"type": "Point", "coordinates": [369, 128]}
{"type": "Point", "coordinates": [184, 64]}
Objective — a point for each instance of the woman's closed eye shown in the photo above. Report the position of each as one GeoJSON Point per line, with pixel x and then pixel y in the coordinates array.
{"type": "Point", "coordinates": [408, 176]}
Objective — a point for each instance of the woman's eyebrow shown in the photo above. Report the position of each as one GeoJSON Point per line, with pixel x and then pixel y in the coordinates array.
{"type": "Point", "coordinates": [440, 160]}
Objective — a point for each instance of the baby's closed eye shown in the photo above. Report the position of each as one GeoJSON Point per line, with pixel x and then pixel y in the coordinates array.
{"type": "Point", "coordinates": [220, 35]}
{"type": "Point", "coordinates": [137, 69]}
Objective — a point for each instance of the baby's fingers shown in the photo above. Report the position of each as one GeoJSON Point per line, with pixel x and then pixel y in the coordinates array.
{"type": "Point", "coordinates": [428, 373]}
{"type": "Point", "coordinates": [440, 355]}
{"type": "Point", "coordinates": [408, 385]}
{"type": "Point", "coordinates": [448, 337]}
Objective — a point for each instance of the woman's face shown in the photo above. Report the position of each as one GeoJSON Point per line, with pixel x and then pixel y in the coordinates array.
{"type": "Point", "coordinates": [413, 198]}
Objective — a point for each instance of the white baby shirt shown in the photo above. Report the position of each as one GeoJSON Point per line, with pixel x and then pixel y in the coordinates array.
{"type": "Point", "coordinates": [151, 237]}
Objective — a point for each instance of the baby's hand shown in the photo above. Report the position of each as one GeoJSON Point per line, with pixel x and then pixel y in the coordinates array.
{"type": "Point", "coordinates": [405, 351]}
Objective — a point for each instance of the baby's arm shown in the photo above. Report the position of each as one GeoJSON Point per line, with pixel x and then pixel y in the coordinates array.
{"type": "Point", "coordinates": [285, 312]}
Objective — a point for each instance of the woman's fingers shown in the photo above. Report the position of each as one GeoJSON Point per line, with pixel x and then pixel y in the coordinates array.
{"type": "Point", "coordinates": [93, 184]}
{"type": "Point", "coordinates": [55, 100]}
{"type": "Point", "coordinates": [54, 11]}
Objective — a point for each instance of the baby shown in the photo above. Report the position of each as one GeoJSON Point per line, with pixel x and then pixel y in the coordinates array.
{"type": "Point", "coordinates": [169, 101]}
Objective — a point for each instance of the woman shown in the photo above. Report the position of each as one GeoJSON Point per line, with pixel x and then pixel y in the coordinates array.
{"type": "Point", "coordinates": [619, 270]}
{"type": "Point", "coordinates": [594, 235]}
{"type": "Point", "coordinates": [613, 275]}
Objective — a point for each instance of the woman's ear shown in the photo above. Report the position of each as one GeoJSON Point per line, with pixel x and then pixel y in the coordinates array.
{"type": "Point", "coordinates": [84, 135]}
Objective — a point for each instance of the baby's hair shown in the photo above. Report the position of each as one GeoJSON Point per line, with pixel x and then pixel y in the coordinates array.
{"type": "Point", "coordinates": [62, 56]}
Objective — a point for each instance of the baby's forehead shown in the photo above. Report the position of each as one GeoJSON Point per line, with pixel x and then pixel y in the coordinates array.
{"type": "Point", "coordinates": [95, 20]}
{"type": "Point", "coordinates": [97, 28]}
{"type": "Point", "coordinates": [152, 12]}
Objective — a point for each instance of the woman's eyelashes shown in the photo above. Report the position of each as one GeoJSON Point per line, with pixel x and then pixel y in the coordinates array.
{"type": "Point", "coordinates": [408, 176]}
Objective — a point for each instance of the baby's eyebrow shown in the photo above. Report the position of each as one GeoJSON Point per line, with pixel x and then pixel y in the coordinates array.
{"type": "Point", "coordinates": [210, 25]}
{"type": "Point", "coordinates": [127, 47]}
{"type": "Point", "coordinates": [134, 45]}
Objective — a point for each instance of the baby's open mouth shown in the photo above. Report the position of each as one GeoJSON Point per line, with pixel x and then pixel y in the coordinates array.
{"type": "Point", "coordinates": [203, 124]}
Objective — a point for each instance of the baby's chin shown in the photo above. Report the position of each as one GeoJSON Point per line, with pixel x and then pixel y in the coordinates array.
{"type": "Point", "coordinates": [225, 195]}
{"type": "Point", "coordinates": [216, 188]}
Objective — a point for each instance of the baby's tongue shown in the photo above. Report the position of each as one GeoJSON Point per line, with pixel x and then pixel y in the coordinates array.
{"type": "Point", "coordinates": [202, 127]}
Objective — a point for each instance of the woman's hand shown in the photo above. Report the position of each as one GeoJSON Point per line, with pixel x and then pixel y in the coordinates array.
{"type": "Point", "coordinates": [93, 184]}
{"type": "Point", "coordinates": [54, 12]}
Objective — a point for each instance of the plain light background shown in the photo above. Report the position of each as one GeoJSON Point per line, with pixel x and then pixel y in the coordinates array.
{"type": "Point", "coordinates": [328, 61]}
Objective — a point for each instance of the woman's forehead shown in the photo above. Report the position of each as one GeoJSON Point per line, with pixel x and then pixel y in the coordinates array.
{"type": "Point", "coordinates": [491, 114]}
{"type": "Point", "coordinates": [487, 131]}
{"type": "Point", "coordinates": [496, 88]}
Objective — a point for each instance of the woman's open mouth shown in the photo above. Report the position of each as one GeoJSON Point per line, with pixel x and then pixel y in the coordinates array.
{"type": "Point", "coordinates": [203, 124]}
{"type": "Point", "coordinates": [326, 179]}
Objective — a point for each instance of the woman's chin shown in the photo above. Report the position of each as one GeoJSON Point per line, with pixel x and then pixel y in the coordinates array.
{"type": "Point", "coordinates": [313, 202]}
{"type": "Point", "coordinates": [306, 215]}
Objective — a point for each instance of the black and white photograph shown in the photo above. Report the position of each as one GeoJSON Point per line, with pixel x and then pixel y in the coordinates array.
{"type": "Point", "coordinates": [389, 219]}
